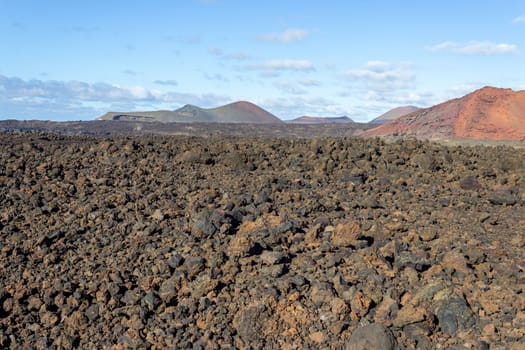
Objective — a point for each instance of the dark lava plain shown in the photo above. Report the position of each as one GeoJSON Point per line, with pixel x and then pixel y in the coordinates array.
{"type": "Point", "coordinates": [225, 242]}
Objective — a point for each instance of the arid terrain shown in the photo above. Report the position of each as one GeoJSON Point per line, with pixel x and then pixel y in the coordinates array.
{"type": "Point", "coordinates": [136, 128]}
{"type": "Point", "coordinates": [259, 242]}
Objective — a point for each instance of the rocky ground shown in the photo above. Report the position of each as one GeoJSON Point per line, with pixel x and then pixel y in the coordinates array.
{"type": "Point", "coordinates": [134, 128]}
{"type": "Point", "coordinates": [224, 243]}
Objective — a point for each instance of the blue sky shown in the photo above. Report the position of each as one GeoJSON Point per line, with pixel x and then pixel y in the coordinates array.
{"type": "Point", "coordinates": [75, 60]}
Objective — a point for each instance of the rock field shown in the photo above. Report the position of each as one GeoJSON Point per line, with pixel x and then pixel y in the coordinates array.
{"type": "Point", "coordinates": [241, 243]}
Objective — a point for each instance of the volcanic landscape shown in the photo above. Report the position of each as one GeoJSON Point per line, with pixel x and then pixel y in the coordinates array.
{"type": "Point", "coordinates": [116, 235]}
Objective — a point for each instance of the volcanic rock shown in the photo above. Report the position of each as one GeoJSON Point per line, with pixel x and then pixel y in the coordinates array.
{"type": "Point", "coordinates": [373, 336]}
{"type": "Point", "coordinates": [167, 242]}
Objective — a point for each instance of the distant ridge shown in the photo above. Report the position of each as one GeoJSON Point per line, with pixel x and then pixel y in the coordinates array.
{"type": "Point", "coordinates": [237, 112]}
{"type": "Point", "coordinates": [320, 120]}
{"type": "Point", "coordinates": [488, 113]}
{"type": "Point", "coordinates": [394, 114]}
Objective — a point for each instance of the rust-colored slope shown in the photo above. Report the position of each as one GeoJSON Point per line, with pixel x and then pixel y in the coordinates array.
{"type": "Point", "coordinates": [492, 113]}
{"type": "Point", "coordinates": [487, 113]}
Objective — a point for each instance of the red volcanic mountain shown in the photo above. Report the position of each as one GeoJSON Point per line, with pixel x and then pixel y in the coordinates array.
{"type": "Point", "coordinates": [237, 112]}
{"type": "Point", "coordinates": [487, 113]}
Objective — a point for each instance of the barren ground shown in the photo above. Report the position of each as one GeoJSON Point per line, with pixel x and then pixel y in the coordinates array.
{"type": "Point", "coordinates": [260, 243]}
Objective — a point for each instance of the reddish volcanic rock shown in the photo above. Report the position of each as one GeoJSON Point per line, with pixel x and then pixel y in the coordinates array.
{"type": "Point", "coordinates": [487, 113]}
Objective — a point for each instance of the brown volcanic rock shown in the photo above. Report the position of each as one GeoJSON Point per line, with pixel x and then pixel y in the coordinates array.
{"type": "Point", "coordinates": [228, 242]}
{"type": "Point", "coordinates": [487, 113]}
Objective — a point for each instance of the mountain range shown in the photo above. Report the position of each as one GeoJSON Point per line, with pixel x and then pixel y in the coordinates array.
{"type": "Point", "coordinates": [487, 113]}
{"type": "Point", "coordinates": [237, 112]}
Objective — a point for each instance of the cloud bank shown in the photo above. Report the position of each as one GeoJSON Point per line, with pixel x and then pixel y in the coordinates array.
{"type": "Point", "coordinates": [50, 98]}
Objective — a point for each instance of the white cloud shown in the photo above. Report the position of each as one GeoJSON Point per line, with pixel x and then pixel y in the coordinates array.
{"type": "Point", "coordinates": [240, 56]}
{"type": "Point", "coordinates": [286, 64]}
{"type": "Point", "coordinates": [216, 77]}
{"type": "Point", "coordinates": [129, 72]}
{"type": "Point", "coordinates": [168, 82]}
{"type": "Point", "coordinates": [22, 98]}
{"type": "Point", "coordinates": [519, 19]}
{"type": "Point", "coordinates": [289, 88]}
{"type": "Point", "coordinates": [475, 48]}
{"type": "Point", "coordinates": [379, 86]}
{"type": "Point", "coordinates": [215, 51]}
{"type": "Point", "coordinates": [188, 39]}
{"type": "Point", "coordinates": [380, 76]}
{"type": "Point", "coordinates": [289, 108]}
{"type": "Point", "coordinates": [296, 87]}
{"type": "Point", "coordinates": [289, 35]}
{"type": "Point", "coordinates": [309, 82]}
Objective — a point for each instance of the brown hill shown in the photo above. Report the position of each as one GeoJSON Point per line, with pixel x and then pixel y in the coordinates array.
{"type": "Point", "coordinates": [243, 112]}
{"type": "Point", "coordinates": [394, 114]}
{"type": "Point", "coordinates": [320, 120]}
{"type": "Point", "coordinates": [237, 112]}
{"type": "Point", "coordinates": [487, 113]}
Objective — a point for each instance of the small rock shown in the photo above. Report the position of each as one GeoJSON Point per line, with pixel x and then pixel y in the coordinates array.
{"type": "Point", "coordinates": [321, 292]}
{"type": "Point", "coordinates": [240, 246]}
{"type": "Point", "coordinates": [250, 323]}
{"type": "Point", "coordinates": [425, 162]}
{"type": "Point", "coordinates": [271, 257]}
{"type": "Point", "coordinates": [317, 337]}
{"type": "Point", "coordinates": [453, 314]}
{"type": "Point", "coordinates": [167, 290]}
{"type": "Point", "coordinates": [454, 261]}
{"type": "Point", "coordinates": [194, 265]}
{"type": "Point", "coordinates": [345, 235]}
{"type": "Point", "coordinates": [92, 312]}
{"type": "Point", "coordinates": [410, 259]}
{"type": "Point", "coordinates": [338, 306]}
{"type": "Point", "coordinates": [157, 215]}
{"type": "Point", "coordinates": [203, 226]}
{"type": "Point", "coordinates": [34, 302]}
{"type": "Point", "coordinates": [469, 183]}
{"type": "Point", "coordinates": [503, 197]}
{"type": "Point", "coordinates": [150, 301]}
{"type": "Point", "coordinates": [131, 297]}
{"type": "Point", "coordinates": [361, 303]}
{"type": "Point", "coordinates": [386, 310]}
{"type": "Point", "coordinates": [372, 337]}
{"type": "Point", "coordinates": [409, 315]}
{"type": "Point", "coordinates": [175, 261]}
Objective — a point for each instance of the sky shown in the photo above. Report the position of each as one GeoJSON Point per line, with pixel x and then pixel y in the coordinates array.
{"type": "Point", "coordinates": [75, 60]}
